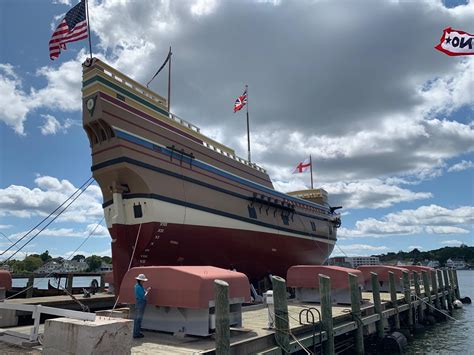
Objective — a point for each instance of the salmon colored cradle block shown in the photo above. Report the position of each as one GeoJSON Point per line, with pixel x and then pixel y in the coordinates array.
{"type": "Point", "coordinates": [5, 279]}
{"type": "Point", "coordinates": [307, 276]}
{"type": "Point", "coordinates": [381, 271]}
{"type": "Point", "coordinates": [183, 286]}
{"type": "Point", "coordinates": [418, 268]}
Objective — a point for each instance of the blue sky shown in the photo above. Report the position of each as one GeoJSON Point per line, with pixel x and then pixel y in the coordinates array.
{"type": "Point", "coordinates": [386, 117]}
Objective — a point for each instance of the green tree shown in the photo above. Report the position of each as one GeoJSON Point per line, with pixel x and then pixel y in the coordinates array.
{"type": "Point", "coordinates": [94, 262]}
{"type": "Point", "coordinates": [45, 257]}
{"type": "Point", "coordinates": [32, 262]}
{"type": "Point", "coordinates": [78, 257]}
{"type": "Point", "coordinates": [107, 259]}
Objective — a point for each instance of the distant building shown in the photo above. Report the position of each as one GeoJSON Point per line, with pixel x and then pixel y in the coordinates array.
{"type": "Point", "coordinates": [104, 267]}
{"type": "Point", "coordinates": [74, 266]}
{"type": "Point", "coordinates": [65, 266]}
{"type": "Point", "coordinates": [456, 264]}
{"type": "Point", "coordinates": [354, 261]}
{"type": "Point", "coordinates": [50, 266]}
{"type": "Point", "coordinates": [433, 263]}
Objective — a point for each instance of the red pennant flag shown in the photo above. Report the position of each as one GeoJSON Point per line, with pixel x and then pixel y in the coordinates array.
{"type": "Point", "coordinates": [456, 42]}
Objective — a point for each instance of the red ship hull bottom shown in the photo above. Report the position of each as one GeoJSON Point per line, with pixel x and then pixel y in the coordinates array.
{"type": "Point", "coordinates": [253, 253]}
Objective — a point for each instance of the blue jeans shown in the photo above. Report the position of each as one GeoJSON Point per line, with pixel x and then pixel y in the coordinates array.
{"type": "Point", "coordinates": [139, 310]}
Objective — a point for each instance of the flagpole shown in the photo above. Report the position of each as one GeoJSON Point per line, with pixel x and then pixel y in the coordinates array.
{"type": "Point", "coordinates": [169, 81]}
{"type": "Point", "coordinates": [311, 170]}
{"type": "Point", "coordinates": [248, 121]}
{"type": "Point", "coordinates": [89, 29]}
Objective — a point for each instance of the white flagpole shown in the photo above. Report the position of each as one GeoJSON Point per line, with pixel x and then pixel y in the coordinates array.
{"type": "Point", "coordinates": [311, 170]}
{"type": "Point", "coordinates": [248, 124]}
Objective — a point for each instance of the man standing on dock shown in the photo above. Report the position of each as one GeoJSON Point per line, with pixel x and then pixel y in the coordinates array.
{"type": "Point", "coordinates": [140, 303]}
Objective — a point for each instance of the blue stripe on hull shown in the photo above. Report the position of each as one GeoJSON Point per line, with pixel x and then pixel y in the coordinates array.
{"type": "Point", "coordinates": [146, 144]}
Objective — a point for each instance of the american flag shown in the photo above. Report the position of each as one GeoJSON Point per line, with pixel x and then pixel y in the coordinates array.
{"type": "Point", "coordinates": [72, 28]}
{"type": "Point", "coordinates": [241, 101]}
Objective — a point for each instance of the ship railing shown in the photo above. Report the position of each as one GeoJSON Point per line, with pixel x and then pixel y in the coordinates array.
{"type": "Point", "coordinates": [133, 85]}
{"type": "Point", "coordinates": [185, 123]}
{"type": "Point", "coordinates": [235, 157]}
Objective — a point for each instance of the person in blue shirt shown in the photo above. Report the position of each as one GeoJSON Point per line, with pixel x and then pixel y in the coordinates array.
{"type": "Point", "coordinates": [140, 303]}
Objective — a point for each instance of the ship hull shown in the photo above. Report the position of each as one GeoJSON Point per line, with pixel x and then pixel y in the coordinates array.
{"type": "Point", "coordinates": [257, 254]}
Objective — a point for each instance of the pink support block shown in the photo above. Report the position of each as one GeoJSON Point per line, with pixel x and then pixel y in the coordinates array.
{"type": "Point", "coordinates": [305, 280]}
{"type": "Point", "coordinates": [183, 286]}
{"type": "Point", "coordinates": [382, 273]}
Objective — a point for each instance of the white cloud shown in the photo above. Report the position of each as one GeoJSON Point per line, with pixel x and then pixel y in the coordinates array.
{"type": "Point", "coordinates": [52, 126]}
{"type": "Point", "coordinates": [463, 165]}
{"type": "Point", "coordinates": [452, 242]}
{"type": "Point", "coordinates": [62, 92]}
{"type": "Point", "coordinates": [430, 219]}
{"type": "Point", "coordinates": [100, 232]}
{"type": "Point", "coordinates": [24, 202]}
{"type": "Point", "coordinates": [13, 100]}
{"type": "Point", "coordinates": [360, 249]}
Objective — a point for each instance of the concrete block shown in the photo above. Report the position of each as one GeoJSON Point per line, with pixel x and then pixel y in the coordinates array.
{"type": "Point", "coordinates": [8, 318]}
{"type": "Point", "coordinates": [103, 336]}
{"type": "Point", "coordinates": [116, 313]}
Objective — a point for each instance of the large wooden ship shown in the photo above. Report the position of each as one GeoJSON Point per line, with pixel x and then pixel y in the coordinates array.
{"type": "Point", "coordinates": [172, 196]}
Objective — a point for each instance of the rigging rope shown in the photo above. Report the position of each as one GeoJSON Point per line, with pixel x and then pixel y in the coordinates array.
{"type": "Point", "coordinates": [47, 224]}
{"type": "Point", "coordinates": [44, 219]}
{"type": "Point", "coordinates": [70, 256]}
{"type": "Point", "coordinates": [129, 266]}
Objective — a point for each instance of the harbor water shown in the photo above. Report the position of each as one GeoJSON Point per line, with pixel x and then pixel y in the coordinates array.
{"type": "Point", "coordinates": [42, 282]}
{"type": "Point", "coordinates": [451, 337]}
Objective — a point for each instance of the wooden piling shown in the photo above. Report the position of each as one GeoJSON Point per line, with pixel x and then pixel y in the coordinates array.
{"type": "Point", "coordinates": [453, 284]}
{"type": "Point", "coordinates": [393, 298]}
{"type": "Point", "coordinates": [282, 324]}
{"type": "Point", "coordinates": [407, 293]}
{"type": "Point", "coordinates": [435, 290]}
{"type": "Point", "coordinates": [426, 287]}
{"type": "Point", "coordinates": [456, 281]}
{"type": "Point", "coordinates": [416, 281]}
{"type": "Point", "coordinates": [441, 288]}
{"type": "Point", "coordinates": [377, 304]}
{"type": "Point", "coordinates": [221, 289]}
{"type": "Point", "coordinates": [447, 287]}
{"type": "Point", "coordinates": [29, 285]}
{"type": "Point", "coordinates": [326, 313]}
{"type": "Point", "coordinates": [70, 277]}
{"type": "Point", "coordinates": [356, 314]}
{"type": "Point", "coordinates": [102, 283]}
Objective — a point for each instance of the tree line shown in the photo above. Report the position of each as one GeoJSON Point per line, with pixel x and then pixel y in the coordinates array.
{"type": "Point", "coordinates": [33, 261]}
{"type": "Point", "coordinates": [462, 252]}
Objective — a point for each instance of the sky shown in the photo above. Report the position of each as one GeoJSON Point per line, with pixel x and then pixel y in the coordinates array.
{"type": "Point", "coordinates": [387, 119]}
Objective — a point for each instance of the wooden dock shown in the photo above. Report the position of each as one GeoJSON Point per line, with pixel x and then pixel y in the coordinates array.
{"type": "Point", "coordinates": [350, 329]}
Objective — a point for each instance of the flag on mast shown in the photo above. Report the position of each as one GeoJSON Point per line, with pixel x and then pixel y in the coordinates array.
{"type": "Point", "coordinates": [241, 101]}
{"type": "Point", "coordinates": [71, 29]}
{"type": "Point", "coordinates": [303, 166]}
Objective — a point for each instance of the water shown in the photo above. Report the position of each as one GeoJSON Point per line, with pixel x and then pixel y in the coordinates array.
{"type": "Point", "coordinates": [42, 282]}
{"type": "Point", "coordinates": [451, 337]}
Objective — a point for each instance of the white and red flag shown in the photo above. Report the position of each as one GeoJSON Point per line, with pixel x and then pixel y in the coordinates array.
{"type": "Point", "coordinates": [241, 101]}
{"type": "Point", "coordinates": [72, 28]}
{"type": "Point", "coordinates": [303, 166]}
{"type": "Point", "coordinates": [456, 42]}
